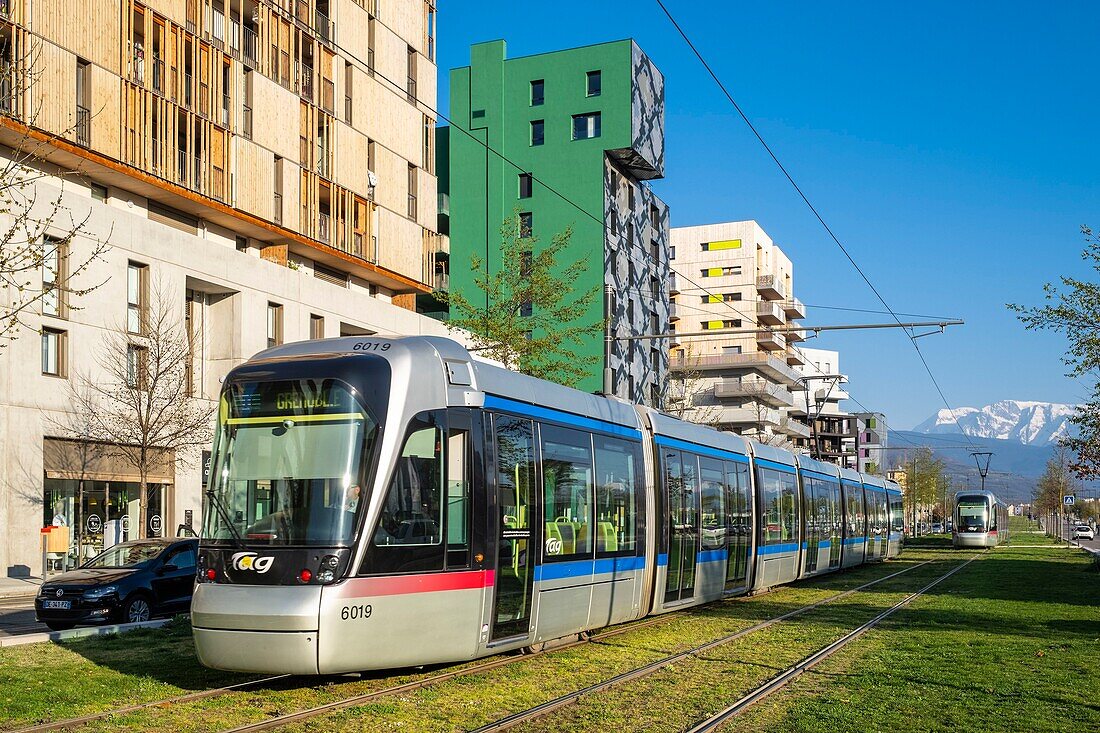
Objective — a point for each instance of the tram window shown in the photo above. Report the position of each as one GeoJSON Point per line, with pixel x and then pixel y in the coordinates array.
{"type": "Point", "coordinates": [458, 499]}
{"type": "Point", "coordinates": [713, 501]}
{"type": "Point", "coordinates": [413, 511]}
{"type": "Point", "coordinates": [617, 465]}
{"type": "Point", "coordinates": [779, 505]}
{"type": "Point", "coordinates": [567, 483]}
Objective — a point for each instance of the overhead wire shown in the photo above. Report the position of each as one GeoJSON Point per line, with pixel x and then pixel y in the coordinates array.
{"type": "Point", "coordinates": [806, 200]}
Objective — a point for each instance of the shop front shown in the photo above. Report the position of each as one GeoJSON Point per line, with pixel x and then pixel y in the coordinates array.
{"type": "Point", "coordinates": [95, 490]}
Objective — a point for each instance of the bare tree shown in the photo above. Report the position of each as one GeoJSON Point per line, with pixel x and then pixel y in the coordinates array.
{"type": "Point", "coordinates": [38, 266]}
{"type": "Point", "coordinates": [690, 396]}
{"type": "Point", "coordinates": [143, 409]}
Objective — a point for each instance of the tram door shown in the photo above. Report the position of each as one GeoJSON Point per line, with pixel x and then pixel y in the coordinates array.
{"type": "Point", "coordinates": [681, 528]}
{"type": "Point", "coordinates": [515, 480]}
{"type": "Point", "coordinates": [836, 526]}
{"type": "Point", "coordinates": [812, 524]}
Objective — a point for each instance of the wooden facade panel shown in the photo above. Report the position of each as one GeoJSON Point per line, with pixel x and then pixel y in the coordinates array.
{"type": "Point", "coordinates": [53, 89]}
{"type": "Point", "coordinates": [391, 57]}
{"type": "Point", "coordinates": [254, 178]}
{"type": "Point", "coordinates": [351, 160]}
{"type": "Point", "coordinates": [97, 37]}
{"type": "Point", "coordinates": [291, 195]}
{"type": "Point", "coordinates": [408, 20]}
{"type": "Point", "coordinates": [173, 10]}
{"type": "Point", "coordinates": [106, 112]}
{"type": "Point", "coordinates": [400, 244]}
{"type": "Point", "coordinates": [392, 121]}
{"type": "Point", "coordinates": [393, 171]}
{"type": "Point", "coordinates": [272, 104]}
{"type": "Point", "coordinates": [427, 205]}
{"type": "Point", "coordinates": [351, 29]}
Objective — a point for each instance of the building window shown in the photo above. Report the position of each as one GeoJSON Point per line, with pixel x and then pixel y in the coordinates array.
{"type": "Point", "coordinates": [99, 193]}
{"type": "Point", "coordinates": [274, 324]}
{"type": "Point", "coordinates": [730, 297]}
{"type": "Point", "coordinates": [83, 113]}
{"type": "Point", "coordinates": [316, 326]}
{"type": "Point", "coordinates": [672, 252]}
{"type": "Point", "coordinates": [136, 362]}
{"type": "Point", "coordinates": [537, 89]}
{"type": "Point", "coordinates": [370, 46]}
{"type": "Point", "coordinates": [242, 244]}
{"type": "Point", "coordinates": [412, 191]}
{"type": "Point", "coordinates": [714, 325]}
{"type": "Point", "coordinates": [137, 276]}
{"type": "Point", "coordinates": [410, 71]}
{"type": "Point", "coordinates": [594, 83]}
{"type": "Point", "coordinates": [371, 161]}
{"type": "Point", "coordinates": [538, 132]}
{"type": "Point", "coordinates": [586, 126]}
{"type": "Point", "coordinates": [526, 223]}
{"type": "Point", "coordinates": [525, 185]}
{"type": "Point", "coordinates": [53, 352]}
{"type": "Point", "coordinates": [53, 260]}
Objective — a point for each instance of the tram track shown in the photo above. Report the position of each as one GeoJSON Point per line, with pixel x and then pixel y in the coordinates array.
{"type": "Point", "coordinates": [758, 693]}
{"type": "Point", "coordinates": [357, 700]}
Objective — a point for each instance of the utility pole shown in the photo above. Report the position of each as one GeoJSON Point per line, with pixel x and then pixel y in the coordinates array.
{"type": "Point", "coordinates": [983, 468]}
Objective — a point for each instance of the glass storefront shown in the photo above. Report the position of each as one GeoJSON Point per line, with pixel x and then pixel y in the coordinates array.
{"type": "Point", "coordinates": [101, 513]}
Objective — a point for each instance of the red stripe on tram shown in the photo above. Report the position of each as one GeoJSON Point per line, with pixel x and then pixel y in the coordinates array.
{"type": "Point", "coordinates": [404, 584]}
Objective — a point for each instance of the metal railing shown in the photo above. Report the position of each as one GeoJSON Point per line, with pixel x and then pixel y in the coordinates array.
{"type": "Point", "coordinates": [249, 43]}
{"type": "Point", "coordinates": [324, 26]}
{"type": "Point", "coordinates": [324, 228]}
{"type": "Point", "coordinates": [410, 89]}
{"type": "Point", "coordinates": [83, 126]}
{"type": "Point", "coordinates": [158, 75]}
{"type": "Point", "coordinates": [762, 362]}
{"type": "Point", "coordinates": [277, 213]}
{"type": "Point", "coordinates": [137, 68]}
{"type": "Point", "coordinates": [225, 110]}
{"type": "Point", "coordinates": [441, 281]}
{"type": "Point", "coordinates": [246, 122]}
{"type": "Point", "coordinates": [9, 86]}
{"type": "Point", "coordinates": [370, 61]}
{"type": "Point", "coordinates": [304, 80]}
{"type": "Point", "coordinates": [347, 109]}
{"type": "Point", "coordinates": [188, 94]}
{"type": "Point", "coordinates": [324, 165]}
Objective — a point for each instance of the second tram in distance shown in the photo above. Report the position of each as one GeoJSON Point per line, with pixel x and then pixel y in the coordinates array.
{"type": "Point", "coordinates": [377, 503]}
{"type": "Point", "coordinates": [980, 520]}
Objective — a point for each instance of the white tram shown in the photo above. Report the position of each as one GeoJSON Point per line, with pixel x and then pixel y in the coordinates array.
{"type": "Point", "coordinates": [377, 503]}
{"type": "Point", "coordinates": [980, 520]}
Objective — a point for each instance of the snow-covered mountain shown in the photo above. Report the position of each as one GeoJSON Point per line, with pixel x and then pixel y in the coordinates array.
{"type": "Point", "coordinates": [1030, 423]}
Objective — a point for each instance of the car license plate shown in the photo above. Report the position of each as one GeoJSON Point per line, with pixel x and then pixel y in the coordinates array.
{"type": "Point", "coordinates": [66, 605]}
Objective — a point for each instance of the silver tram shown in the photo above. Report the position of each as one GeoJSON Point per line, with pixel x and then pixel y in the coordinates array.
{"type": "Point", "coordinates": [376, 503]}
{"type": "Point", "coordinates": [980, 520]}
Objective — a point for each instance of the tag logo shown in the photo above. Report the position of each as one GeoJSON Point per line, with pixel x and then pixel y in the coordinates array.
{"type": "Point", "coordinates": [252, 561]}
{"type": "Point", "coordinates": [553, 546]}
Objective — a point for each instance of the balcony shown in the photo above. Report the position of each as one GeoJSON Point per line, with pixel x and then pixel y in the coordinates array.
{"type": "Point", "coordinates": [770, 341]}
{"type": "Point", "coordinates": [770, 287]}
{"type": "Point", "coordinates": [795, 335]}
{"type": "Point", "coordinates": [766, 364]}
{"type": "Point", "coordinates": [760, 390]}
{"type": "Point", "coordinates": [673, 284]}
{"type": "Point", "coordinates": [769, 314]}
{"type": "Point", "coordinates": [444, 204]}
{"type": "Point", "coordinates": [441, 281]}
{"type": "Point", "coordinates": [250, 56]}
{"type": "Point", "coordinates": [794, 309]}
{"type": "Point", "coordinates": [304, 75]}
{"type": "Point", "coordinates": [794, 358]}
{"type": "Point", "coordinates": [324, 26]}
{"type": "Point", "coordinates": [673, 312]}
{"type": "Point", "coordinates": [794, 427]}
{"type": "Point", "coordinates": [158, 76]}
{"type": "Point", "coordinates": [324, 228]}
{"type": "Point", "coordinates": [756, 417]}
{"type": "Point", "coordinates": [83, 126]}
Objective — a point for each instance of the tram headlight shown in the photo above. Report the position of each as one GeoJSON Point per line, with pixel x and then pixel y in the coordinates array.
{"type": "Point", "coordinates": [330, 562]}
{"type": "Point", "coordinates": [326, 576]}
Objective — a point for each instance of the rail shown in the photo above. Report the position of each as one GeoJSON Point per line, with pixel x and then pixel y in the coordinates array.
{"type": "Point", "coordinates": [83, 126]}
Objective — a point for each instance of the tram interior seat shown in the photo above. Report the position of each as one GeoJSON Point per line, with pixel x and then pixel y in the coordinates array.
{"type": "Point", "coordinates": [606, 539]}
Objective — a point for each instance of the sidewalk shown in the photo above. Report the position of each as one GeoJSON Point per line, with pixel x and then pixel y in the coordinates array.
{"type": "Point", "coordinates": [19, 587]}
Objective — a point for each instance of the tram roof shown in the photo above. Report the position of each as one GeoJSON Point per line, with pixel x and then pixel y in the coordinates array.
{"type": "Point", "coordinates": [810, 464]}
{"type": "Point", "coordinates": [670, 427]}
{"type": "Point", "coordinates": [771, 453]}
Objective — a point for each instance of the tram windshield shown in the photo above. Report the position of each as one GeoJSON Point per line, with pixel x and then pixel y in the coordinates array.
{"type": "Point", "coordinates": [286, 467]}
{"type": "Point", "coordinates": [973, 515]}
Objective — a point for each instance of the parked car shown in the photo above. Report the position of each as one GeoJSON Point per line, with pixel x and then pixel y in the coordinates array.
{"type": "Point", "coordinates": [937, 528]}
{"type": "Point", "coordinates": [1083, 532]}
{"type": "Point", "coordinates": [129, 582]}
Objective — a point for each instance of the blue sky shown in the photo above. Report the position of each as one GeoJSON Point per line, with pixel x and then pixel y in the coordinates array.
{"type": "Point", "coordinates": [951, 146]}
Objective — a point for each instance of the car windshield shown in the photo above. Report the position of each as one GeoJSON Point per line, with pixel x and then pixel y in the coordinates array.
{"type": "Point", "coordinates": [129, 555]}
{"type": "Point", "coordinates": [286, 464]}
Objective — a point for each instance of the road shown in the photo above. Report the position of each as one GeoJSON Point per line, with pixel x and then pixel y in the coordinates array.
{"type": "Point", "coordinates": [17, 617]}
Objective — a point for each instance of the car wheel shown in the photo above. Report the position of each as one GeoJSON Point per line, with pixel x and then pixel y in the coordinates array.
{"type": "Point", "coordinates": [136, 609]}
{"type": "Point", "coordinates": [60, 625]}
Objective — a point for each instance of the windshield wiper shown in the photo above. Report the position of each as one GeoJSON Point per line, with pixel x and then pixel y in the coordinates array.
{"type": "Point", "coordinates": [223, 512]}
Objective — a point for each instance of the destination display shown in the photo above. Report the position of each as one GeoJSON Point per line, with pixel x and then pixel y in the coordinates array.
{"type": "Point", "coordinates": [288, 398]}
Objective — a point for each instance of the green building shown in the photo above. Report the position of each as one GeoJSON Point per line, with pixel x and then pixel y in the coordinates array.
{"type": "Point", "coordinates": [567, 138]}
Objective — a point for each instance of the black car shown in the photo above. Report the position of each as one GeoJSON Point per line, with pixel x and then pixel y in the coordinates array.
{"type": "Point", "coordinates": [131, 581]}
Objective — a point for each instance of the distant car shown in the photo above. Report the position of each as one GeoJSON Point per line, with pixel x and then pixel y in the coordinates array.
{"type": "Point", "coordinates": [937, 528]}
{"type": "Point", "coordinates": [1083, 532]}
{"type": "Point", "coordinates": [129, 582]}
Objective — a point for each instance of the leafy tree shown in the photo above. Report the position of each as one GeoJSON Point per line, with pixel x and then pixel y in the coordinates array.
{"type": "Point", "coordinates": [530, 322]}
{"type": "Point", "coordinates": [1073, 309]}
{"type": "Point", "coordinates": [923, 476]}
{"type": "Point", "coordinates": [1057, 481]}
{"type": "Point", "coordinates": [143, 412]}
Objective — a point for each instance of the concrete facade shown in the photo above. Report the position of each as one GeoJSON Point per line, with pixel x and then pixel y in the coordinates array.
{"type": "Point", "coordinates": [732, 277]}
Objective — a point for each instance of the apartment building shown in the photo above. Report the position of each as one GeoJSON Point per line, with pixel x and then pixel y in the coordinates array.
{"type": "Point", "coordinates": [732, 279]}
{"type": "Point", "coordinates": [833, 431]}
{"type": "Point", "coordinates": [568, 139]}
{"type": "Point", "coordinates": [267, 167]}
{"type": "Point", "coordinates": [873, 441]}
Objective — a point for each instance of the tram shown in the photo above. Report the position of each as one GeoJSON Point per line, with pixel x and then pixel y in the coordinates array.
{"type": "Point", "coordinates": [980, 520]}
{"type": "Point", "coordinates": [377, 503]}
